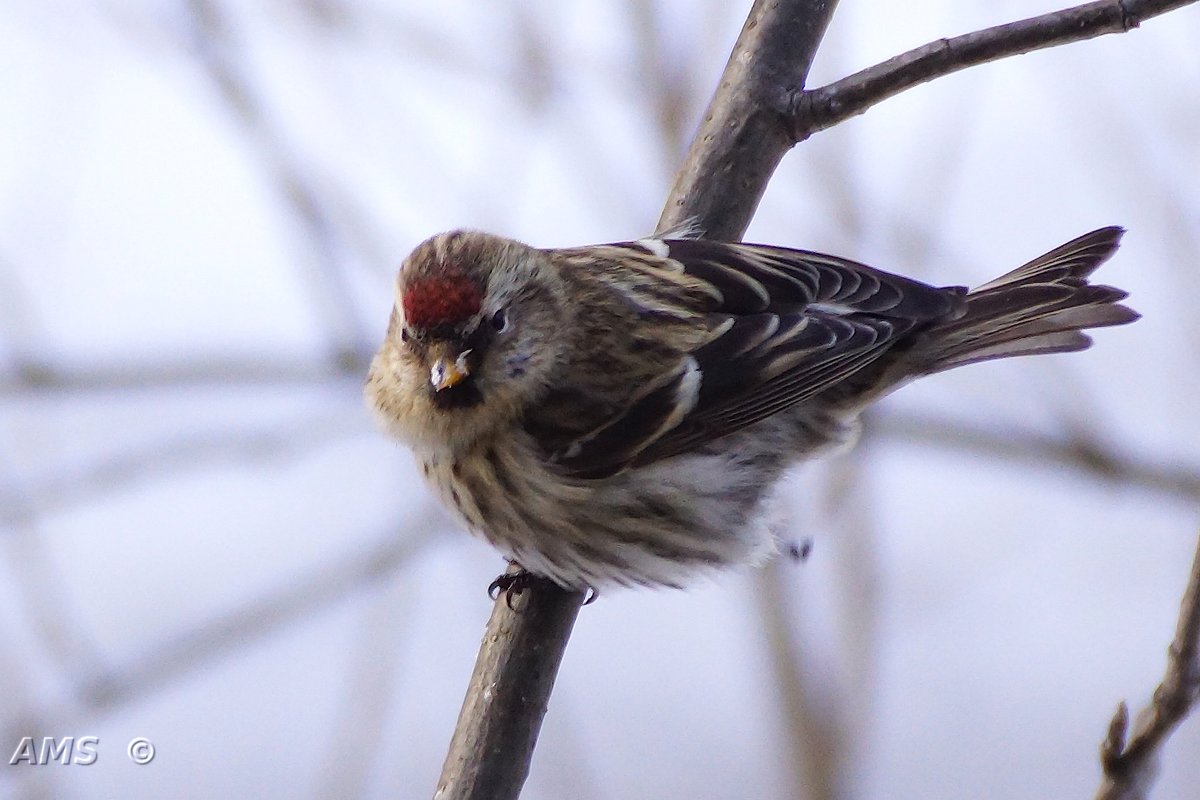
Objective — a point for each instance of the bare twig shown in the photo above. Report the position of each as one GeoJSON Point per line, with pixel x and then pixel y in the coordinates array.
{"type": "Point", "coordinates": [1131, 763]}
{"type": "Point", "coordinates": [817, 109]}
{"type": "Point", "coordinates": [761, 108]}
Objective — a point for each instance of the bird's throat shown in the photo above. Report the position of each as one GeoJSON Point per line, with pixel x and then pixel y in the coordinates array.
{"type": "Point", "coordinates": [464, 394]}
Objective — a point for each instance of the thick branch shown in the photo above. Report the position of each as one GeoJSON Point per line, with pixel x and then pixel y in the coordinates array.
{"type": "Point", "coordinates": [718, 187]}
{"type": "Point", "coordinates": [509, 692]}
{"type": "Point", "coordinates": [822, 108]}
{"type": "Point", "coordinates": [743, 135]}
{"type": "Point", "coordinates": [753, 119]}
{"type": "Point", "coordinates": [1130, 766]}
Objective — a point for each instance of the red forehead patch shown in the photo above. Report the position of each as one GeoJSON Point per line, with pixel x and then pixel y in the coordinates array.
{"type": "Point", "coordinates": [444, 299]}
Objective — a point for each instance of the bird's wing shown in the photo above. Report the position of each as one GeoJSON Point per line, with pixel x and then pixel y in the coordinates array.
{"type": "Point", "coordinates": [784, 326]}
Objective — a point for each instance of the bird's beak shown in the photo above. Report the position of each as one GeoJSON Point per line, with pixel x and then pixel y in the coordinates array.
{"type": "Point", "coordinates": [449, 371]}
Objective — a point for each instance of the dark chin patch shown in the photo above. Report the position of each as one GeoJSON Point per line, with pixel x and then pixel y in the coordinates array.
{"type": "Point", "coordinates": [462, 395]}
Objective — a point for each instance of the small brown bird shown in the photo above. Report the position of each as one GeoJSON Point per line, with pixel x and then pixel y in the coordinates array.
{"type": "Point", "coordinates": [620, 413]}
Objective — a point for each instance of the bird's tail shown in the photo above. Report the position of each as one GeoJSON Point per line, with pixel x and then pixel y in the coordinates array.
{"type": "Point", "coordinates": [1040, 307]}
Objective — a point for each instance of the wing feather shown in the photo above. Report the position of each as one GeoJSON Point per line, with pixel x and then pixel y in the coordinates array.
{"type": "Point", "coordinates": [783, 325]}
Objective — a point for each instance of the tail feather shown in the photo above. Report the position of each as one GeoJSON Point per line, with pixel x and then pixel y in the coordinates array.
{"type": "Point", "coordinates": [1040, 307]}
{"type": "Point", "coordinates": [1058, 342]}
{"type": "Point", "coordinates": [1076, 259]}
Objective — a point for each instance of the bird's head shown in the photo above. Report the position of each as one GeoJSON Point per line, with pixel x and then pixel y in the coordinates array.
{"type": "Point", "coordinates": [472, 336]}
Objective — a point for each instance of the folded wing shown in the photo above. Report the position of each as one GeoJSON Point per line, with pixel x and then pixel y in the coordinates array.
{"type": "Point", "coordinates": [784, 326]}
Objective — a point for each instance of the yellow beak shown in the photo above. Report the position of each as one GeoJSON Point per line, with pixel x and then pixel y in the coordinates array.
{"type": "Point", "coordinates": [446, 373]}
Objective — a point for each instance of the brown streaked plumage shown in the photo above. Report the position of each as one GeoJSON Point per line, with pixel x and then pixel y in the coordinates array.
{"type": "Point", "coordinates": [620, 413]}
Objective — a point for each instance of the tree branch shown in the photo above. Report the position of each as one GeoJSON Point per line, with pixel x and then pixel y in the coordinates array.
{"type": "Point", "coordinates": [1130, 766]}
{"type": "Point", "coordinates": [818, 109]}
{"type": "Point", "coordinates": [509, 692]}
{"type": "Point", "coordinates": [743, 135]}
{"type": "Point", "coordinates": [718, 188]}
{"type": "Point", "coordinates": [759, 111]}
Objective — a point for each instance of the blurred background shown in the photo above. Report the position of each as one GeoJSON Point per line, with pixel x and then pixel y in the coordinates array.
{"type": "Point", "coordinates": [205, 542]}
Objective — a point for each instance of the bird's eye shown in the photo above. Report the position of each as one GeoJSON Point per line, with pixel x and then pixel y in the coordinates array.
{"type": "Point", "coordinates": [404, 334]}
{"type": "Point", "coordinates": [500, 321]}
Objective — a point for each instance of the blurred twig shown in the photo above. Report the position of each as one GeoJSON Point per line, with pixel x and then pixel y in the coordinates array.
{"type": "Point", "coordinates": [849, 507]}
{"type": "Point", "coordinates": [1088, 456]}
{"type": "Point", "coordinates": [1131, 763]}
{"type": "Point", "coordinates": [815, 743]}
{"type": "Point", "coordinates": [40, 378]}
{"type": "Point", "coordinates": [67, 487]}
{"type": "Point", "coordinates": [38, 584]}
{"type": "Point", "coordinates": [366, 705]}
{"type": "Point", "coordinates": [294, 600]}
{"type": "Point", "coordinates": [664, 81]}
{"type": "Point", "coordinates": [323, 255]}
{"type": "Point", "coordinates": [160, 665]}
{"type": "Point", "coordinates": [19, 326]}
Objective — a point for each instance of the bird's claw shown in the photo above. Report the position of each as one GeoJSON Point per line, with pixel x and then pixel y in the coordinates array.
{"type": "Point", "coordinates": [512, 584]}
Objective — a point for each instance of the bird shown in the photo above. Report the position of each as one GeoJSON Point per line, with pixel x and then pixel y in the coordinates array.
{"type": "Point", "coordinates": [623, 414]}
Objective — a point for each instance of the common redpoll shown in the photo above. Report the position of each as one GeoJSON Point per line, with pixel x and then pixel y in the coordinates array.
{"type": "Point", "coordinates": [621, 413]}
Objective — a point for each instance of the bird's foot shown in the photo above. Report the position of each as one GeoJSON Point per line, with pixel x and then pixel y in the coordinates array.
{"type": "Point", "coordinates": [800, 551]}
{"type": "Point", "coordinates": [512, 584]}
